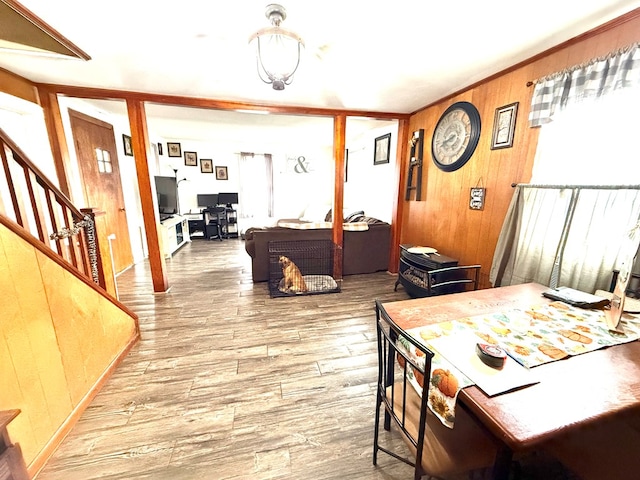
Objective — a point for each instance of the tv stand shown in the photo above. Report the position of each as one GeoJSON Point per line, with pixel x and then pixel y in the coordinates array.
{"type": "Point", "coordinates": [175, 233]}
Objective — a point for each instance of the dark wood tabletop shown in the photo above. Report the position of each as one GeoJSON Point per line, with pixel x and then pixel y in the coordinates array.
{"type": "Point", "coordinates": [574, 392]}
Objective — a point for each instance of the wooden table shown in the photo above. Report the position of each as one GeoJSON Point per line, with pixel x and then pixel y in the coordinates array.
{"type": "Point", "coordinates": [572, 393]}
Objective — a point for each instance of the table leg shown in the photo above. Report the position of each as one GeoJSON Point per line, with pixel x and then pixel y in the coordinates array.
{"type": "Point", "coordinates": [502, 465]}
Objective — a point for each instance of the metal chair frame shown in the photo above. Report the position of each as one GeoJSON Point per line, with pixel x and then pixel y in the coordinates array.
{"type": "Point", "coordinates": [388, 333]}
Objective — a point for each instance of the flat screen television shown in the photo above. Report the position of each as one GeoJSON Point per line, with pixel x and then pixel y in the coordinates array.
{"type": "Point", "coordinates": [228, 199]}
{"type": "Point", "coordinates": [167, 194]}
{"type": "Point", "coordinates": [207, 200]}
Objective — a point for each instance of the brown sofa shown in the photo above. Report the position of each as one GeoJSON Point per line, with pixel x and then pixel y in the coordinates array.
{"type": "Point", "coordinates": [363, 252]}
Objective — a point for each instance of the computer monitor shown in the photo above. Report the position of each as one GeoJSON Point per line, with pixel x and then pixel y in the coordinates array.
{"type": "Point", "coordinates": [207, 200]}
{"type": "Point", "coordinates": [228, 199]}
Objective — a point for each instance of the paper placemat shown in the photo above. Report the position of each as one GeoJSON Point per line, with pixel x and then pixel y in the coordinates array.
{"type": "Point", "coordinates": [460, 350]}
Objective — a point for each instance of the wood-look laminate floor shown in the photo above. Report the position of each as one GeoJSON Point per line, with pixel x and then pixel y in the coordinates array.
{"type": "Point", "coordinates": [227, 383]}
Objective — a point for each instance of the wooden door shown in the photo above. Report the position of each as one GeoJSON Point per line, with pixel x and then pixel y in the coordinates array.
{"type": "Point", "coordinates": [98, 163]}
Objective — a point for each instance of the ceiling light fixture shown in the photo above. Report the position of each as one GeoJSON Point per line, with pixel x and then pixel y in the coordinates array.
{"type": "Point", "coordinates": [277, 50]}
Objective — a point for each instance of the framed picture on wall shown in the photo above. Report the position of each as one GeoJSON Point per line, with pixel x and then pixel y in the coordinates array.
{"type": "Point", "coordinates": [221, 173]}
{"type": "Point", "coordinates": [128, 149]}
{"type": "Point", "coordinates": [173, 149]}
{"type": "Point", "coordinates": [191, 159]}
{"type": "Point", "coordinates": [346, 164]}
{"type": "Point", "coordinates": [206, 165]}
{"type": "Point", "coordinates": [504, 124]}
{"type": "Point", "coordinates": [381, 149]}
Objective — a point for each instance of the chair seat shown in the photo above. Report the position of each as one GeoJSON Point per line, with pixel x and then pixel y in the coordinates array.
{"type": "Point", "coordinates": [446, 451]}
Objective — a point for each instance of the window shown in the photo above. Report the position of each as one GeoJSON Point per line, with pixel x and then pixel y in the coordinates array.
{"type": "Point", "coordinates": [104, 161]}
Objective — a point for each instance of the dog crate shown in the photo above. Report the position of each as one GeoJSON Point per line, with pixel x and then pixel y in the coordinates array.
{"type": "Point", "coordinates": [302, 267]}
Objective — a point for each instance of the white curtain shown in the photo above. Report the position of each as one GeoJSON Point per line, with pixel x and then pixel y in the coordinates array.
{"type": "Point", "coordinates": [565, 236]}
{"type": "Point", "coordinates": [256, 187]}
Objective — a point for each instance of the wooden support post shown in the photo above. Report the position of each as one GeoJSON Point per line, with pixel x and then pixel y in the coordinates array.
{"type": "Point", "coordinates": [141, 154]}
{"type": "Point", "coordinates": [339, 135]}
{"type": "Point", "coordinates": [57, 139]}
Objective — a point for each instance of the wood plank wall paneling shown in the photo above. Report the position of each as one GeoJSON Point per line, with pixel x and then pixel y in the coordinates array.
{"type": "Point", "coordinates": [443, 219]}
{"type": "Point", "coordinates": [58, 339]}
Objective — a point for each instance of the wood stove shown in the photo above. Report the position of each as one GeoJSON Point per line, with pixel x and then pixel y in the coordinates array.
{"type": "Point", "coordinates": [412, 274]}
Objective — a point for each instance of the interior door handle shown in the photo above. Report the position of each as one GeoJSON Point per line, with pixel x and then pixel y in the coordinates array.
{"type": "Point", "coordinates": [121, 209]}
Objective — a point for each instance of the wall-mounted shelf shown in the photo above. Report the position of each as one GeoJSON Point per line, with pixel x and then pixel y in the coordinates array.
{"type": "Point", "coordinates": [415, 166]}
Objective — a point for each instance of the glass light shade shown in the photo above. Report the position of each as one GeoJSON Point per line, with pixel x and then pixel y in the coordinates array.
{"type": "Point", "coordinates": [277, 55]}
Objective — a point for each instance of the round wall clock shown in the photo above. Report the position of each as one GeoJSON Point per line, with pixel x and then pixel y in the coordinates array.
{"type": "Point", "coordinates": [456, 136]}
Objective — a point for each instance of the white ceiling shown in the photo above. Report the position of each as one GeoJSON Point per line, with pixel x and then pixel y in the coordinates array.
{"type": "Point", "coordinates": [360, 55]}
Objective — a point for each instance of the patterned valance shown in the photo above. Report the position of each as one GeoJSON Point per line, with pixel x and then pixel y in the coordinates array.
{"type": "Point", "coordinates": [601, 76]}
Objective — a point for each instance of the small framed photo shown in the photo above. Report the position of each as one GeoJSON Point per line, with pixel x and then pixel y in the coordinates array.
{"type": "Point", "coordinates": [381, 149]}
{"type": "Point", "coordinates": [191, 159]}
{"type": "Point", "coordinates": [346, 164]}
{"type": "Point", "coordinates": [128, 148]}
{"type": "Point", "coordinates": [504, 125]}
{"type": "Point", "coordinates": [173, 149]}
{"type": "Point", "coordinates": [159, 149]}
{"type": "Point", "coordinates": [206, 165]}
{"type": "Point", "coordinates": [221, 173]}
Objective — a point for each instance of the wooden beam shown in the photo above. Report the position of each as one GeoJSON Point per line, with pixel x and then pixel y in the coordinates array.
{"type": "Point", "coordinates": [18, 86]}
{"type": "Point", "coordinates": [214, 104]}
{"type": "Point", "coordinates": [57, 138]}
{"type": "Point", "coordinates": [141, 154]}
{"type": "Point", "coordinates": [339, 136]}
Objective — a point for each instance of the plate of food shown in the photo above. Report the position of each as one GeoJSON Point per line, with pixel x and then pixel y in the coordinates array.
{"type": "Point", "coordinates": [422, 250]}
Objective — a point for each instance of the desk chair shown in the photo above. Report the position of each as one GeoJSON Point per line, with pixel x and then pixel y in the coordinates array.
{"type": "Point", "coordinates": [453, 279]}
{"type": "Point", "coordinates": [439, 451]}
{"type": "Point", "coordinates": [215, 220]}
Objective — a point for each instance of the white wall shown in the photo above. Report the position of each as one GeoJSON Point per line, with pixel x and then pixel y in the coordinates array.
{"type": "Point", "coordinates": [24, 122]}
{"type": "Point", "coordinates": [371, 187]}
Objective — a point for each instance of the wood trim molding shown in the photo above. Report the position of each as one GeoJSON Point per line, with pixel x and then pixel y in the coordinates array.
{"type": "Point", "coordinates": [200, 102]}
{"type": "Point", "coordinates": [28, 27]}
{"type": "Point", "coordinates": [18, 86]}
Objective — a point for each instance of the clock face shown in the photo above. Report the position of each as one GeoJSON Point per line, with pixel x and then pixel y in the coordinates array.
{"type": "Point", "coordinates": [456, 136]}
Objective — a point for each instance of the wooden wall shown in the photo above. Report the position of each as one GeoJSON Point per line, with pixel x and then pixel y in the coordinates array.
{"type": "Point", "coordinates": [443, 219]}
{"type": "Point", "coordinates": [59, 340]}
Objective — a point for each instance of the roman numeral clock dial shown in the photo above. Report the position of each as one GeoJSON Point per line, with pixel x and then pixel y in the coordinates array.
{"type": "Point", "coordinates": [456, 136]}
